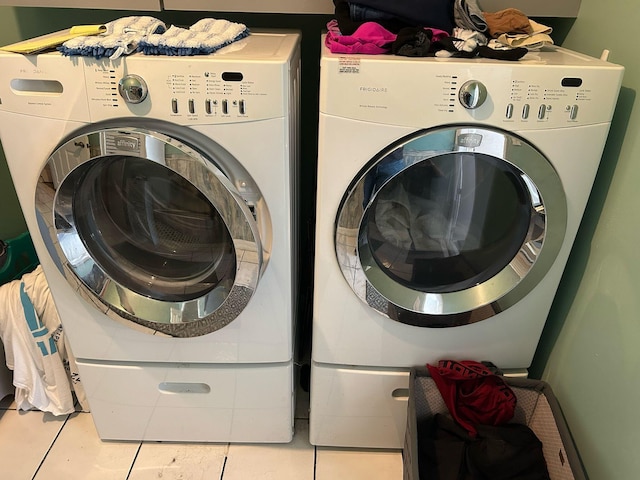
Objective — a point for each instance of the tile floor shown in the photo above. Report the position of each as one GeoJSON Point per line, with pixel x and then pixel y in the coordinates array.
{"type": "Point", "coordinates": [37, 446]}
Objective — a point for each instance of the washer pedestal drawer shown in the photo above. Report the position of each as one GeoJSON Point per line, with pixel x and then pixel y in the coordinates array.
{"type": "Point", "coordinates": [358, 407]}
{"type": "Point", "coordinates": [190, 402]}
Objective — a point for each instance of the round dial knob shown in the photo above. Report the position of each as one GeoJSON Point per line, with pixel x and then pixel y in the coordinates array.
{"type": "Point", "coordinates": [132, 88]}
{"type": "Point", "coordinates": [472, 94]}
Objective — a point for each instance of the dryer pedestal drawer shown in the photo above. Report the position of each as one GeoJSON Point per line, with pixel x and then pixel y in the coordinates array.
{"type": "Point", "coordinates": [358, 407]}
{"type": "Point", "coordinates": [191, 403]}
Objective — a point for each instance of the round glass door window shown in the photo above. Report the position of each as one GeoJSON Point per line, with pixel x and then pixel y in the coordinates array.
{"type": "Point", "coordinates": [448, 223]}
{"type": "Point", "coordinates": [159, 235]}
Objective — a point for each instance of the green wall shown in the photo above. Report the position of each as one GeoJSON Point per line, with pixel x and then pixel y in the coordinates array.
{"type": "Point", "coordinates": [589, 352]}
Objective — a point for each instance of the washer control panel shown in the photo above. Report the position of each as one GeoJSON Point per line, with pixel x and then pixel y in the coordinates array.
{"type": "Point", "coordinates": [185, 90]}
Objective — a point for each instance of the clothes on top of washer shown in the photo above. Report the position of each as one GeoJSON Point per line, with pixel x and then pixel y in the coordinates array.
{"type": "Point", "coordinates": [416, 41]}
{"type": "Point", "coordinates": [429, 13]}
{"type": "Point", "coordinates": [203, 37]}
{"type": "Point", "coordinates": [369, 38]}
{"type": "Point", "coordinates": [509, 20]}
{"type": "Point", "coordinates": [536, 39]}
{"type": "Point", "coordinates": [149, 35]}
{"type": "Point", "coordinates": [121, 37]}
{"type": "Point", "coordinates": [44, 370]}
{"type": "Point", "coordinates": [415, 28]}
{"type": "Point", "coordinates": [467, 15]}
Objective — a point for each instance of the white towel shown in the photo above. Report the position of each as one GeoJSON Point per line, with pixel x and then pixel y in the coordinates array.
{"type": "Point", "coordinates": [203, 37]}
{"type": "Point", "coordinates": [121, 37]}
{"type": "Point", "coordinates": [44, 370]}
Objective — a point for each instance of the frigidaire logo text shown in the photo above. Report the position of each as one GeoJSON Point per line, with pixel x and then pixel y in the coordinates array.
{"type": "Point", "coordinates": [126, 143]}
{"type": "Point", "coordinates": [469, 140]}
{"type": "Point", "coordinates": [374, 89]}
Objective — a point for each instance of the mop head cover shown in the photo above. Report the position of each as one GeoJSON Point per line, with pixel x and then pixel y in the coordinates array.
{"type": "Point", "coordinates": [203, 37]}
{"type": "Point", "coordinates": [121, 37]}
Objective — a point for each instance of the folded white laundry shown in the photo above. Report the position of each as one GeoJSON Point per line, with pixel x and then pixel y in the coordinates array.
{"type": "Point", "coordinates": [121, 37]}
{"type": "Point", "coordinates": [203, 37]}
{"type": "Point", "coordinates": [538, 38]}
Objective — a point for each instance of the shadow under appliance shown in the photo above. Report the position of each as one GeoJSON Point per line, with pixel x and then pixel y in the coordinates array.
{"type": "Point", "coordinates": [160, 194]}
{"type": "Point", "coordinates": [450, 192]}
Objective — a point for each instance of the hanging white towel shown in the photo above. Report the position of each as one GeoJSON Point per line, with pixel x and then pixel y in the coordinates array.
{"type": "Point", "coordinates": [36, 349]}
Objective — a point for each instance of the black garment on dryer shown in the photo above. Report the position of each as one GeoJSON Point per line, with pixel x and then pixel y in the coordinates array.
{"type": "Point", "coordinates": [447, 43]}
{"type": "Point", "coordinates": [511, 54]}
{"type": "Point", "coordinates": [348, 26]}
{"type": "Point", "coordinates": [412, 42]}
{"type": "Point", "coordinates": [508, 452]}
{"type": "Point", "coordinates": [427, 13]}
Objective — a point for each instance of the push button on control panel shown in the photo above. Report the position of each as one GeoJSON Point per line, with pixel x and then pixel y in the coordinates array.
{"type": "Point", "coordinates": [573, 112]}
{"type": "Point", "coordinates": [525, 111]}
{"type": "Point", "coordinates": [225, 106]}
{"type": "Point", "coordinates": [542, 111]}
{"type": "Point", "coordinates": [242, 107]}
{"type": "Point", "coordinates": [174, 105]}
{"type": "Point", "coordinates": [509, 112]}
{"type": "Point", "coordinates": [192, 106]}
{"type": "Point", "coordinates": [207, 106]}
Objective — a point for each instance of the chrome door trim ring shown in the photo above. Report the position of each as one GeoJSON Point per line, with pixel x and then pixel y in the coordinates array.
{"type": "Point", "coordinates": [193, 317]}
{"type": "Point", "coordinates": [533, 260]}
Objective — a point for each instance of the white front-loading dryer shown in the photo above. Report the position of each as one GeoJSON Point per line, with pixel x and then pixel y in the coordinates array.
{"type": "Point", "coordinates": [450, 192]}
{"type": "Point", "coordinates": [160, 194]}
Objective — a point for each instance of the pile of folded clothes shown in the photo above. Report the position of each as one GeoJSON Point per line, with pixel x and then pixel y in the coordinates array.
{"type": "Point", "coordinates": [442, 28]}
{"type": "Point", "coordinates": [152, 37]}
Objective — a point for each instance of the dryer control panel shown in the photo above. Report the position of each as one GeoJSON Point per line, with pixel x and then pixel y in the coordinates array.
{"type": "Point", "coordinates": [549, 89]}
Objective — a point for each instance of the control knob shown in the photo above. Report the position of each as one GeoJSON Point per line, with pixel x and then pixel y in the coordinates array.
{"type": "Point", "coordinates": [472, 94]}
{"type": "Point", "coordinates": [132, 88]}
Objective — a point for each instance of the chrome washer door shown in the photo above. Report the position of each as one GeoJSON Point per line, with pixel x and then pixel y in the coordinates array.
{"type": "Point", "coordinates": [450, 226]}
{"type": "Point", "coordinates": [154, 229]}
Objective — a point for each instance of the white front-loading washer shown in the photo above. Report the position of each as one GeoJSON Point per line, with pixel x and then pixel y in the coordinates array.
{"type": "Point", "coordinates": [160, 194]}
{"type": "Point", "coordinates": [449, 195]}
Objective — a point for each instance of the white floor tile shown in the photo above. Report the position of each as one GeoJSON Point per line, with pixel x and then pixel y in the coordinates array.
{"type": "Point", "coordinates": [293, 461]}
{"type": "Point", "coordinates": [25, 438]}
{"type": "Point", "coordinates": [333, 464]}
{"type": "Point", "coordinates": [173, 461]}
{"type": "Point", "coordinates": [79, 454]}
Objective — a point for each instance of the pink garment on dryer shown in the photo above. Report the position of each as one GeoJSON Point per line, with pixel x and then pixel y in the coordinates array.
{"type": "Point", "coordinates": [370, 38]}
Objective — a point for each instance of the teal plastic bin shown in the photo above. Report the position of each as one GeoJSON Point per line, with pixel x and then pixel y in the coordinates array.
{"type": "Point", "coordinates": [17, 257]}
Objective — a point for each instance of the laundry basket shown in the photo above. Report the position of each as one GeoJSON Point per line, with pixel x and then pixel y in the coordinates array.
{"type": "Point", "coordinates": [536, 407]}
{"type": "Point", "coordinates": [17, 257]}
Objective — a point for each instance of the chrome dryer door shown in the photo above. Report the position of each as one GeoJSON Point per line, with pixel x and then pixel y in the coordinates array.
{"type": "Point", "coordinates": [450, 226]}
{"type": "Point", "coordinates": [157, 227]}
